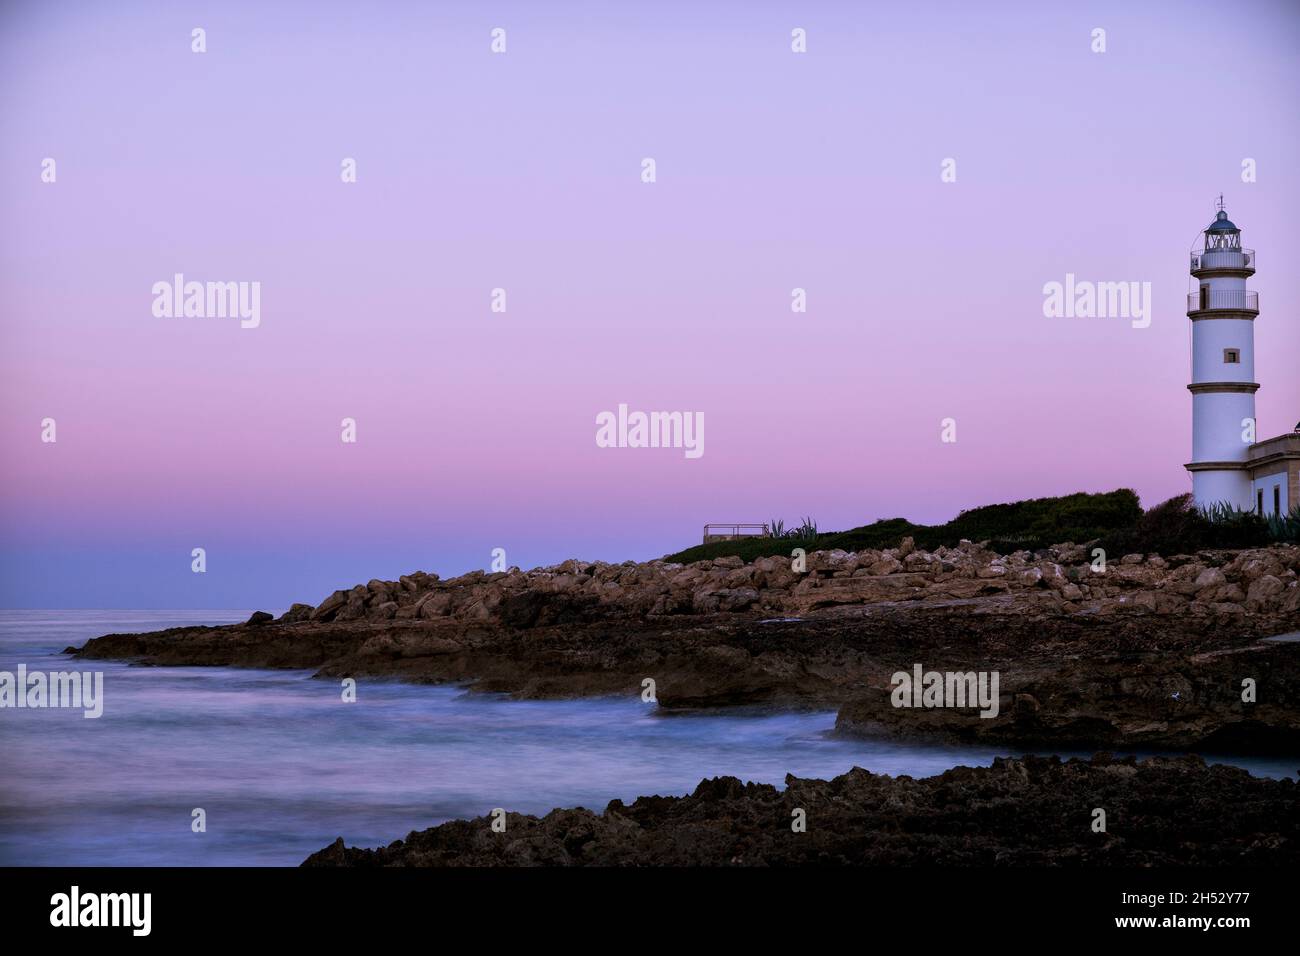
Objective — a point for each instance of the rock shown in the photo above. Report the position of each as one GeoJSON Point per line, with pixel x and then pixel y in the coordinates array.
{"type": "Point", "coordinates": [1029, 577]}
{"type": "Point", "coordinates": [1224, 592]}
{"type": "Point", "coordinates": [297, 612]}
{"type": "Point", "coordinates": [705, 601]}
{"type": "Point", "coordinates": [736, 599]}
{"type": "Point", "coordinates": [830, 561]}
{"type": "Point", "coordinates": [1265, 592]}
{"type": "Point", "coordinates": [259, 618]}
{"type": "Point", "coordinates": [355, 608]}
{"type": "Point", "coordinates": [326, 610]}
{"type": "Point", "coordinates": [965, 817]}
{"type": "Point", "coordinates": [434, 604]}
{"type": "Point", "coordinates": [1209, 578]}
{"type": "Point", "coordinates": [588, 628]}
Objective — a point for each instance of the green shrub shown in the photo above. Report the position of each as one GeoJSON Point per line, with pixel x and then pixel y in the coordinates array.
{"type": "Point", "coordinates": [1285, 528]}
{"type": "Point", "coordinates": [1028, 525]}
{"type": "Point", "coordinates": [1177, 527]}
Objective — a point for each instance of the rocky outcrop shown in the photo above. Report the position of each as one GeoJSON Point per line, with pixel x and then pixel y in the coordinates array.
{"type": "Point", "coordinates": [1025, 812]}
{"type": "Point", "coordinates": [1066, 578]}
{"type": "Point", "coordinates": [1139, 701]}
{"type": "Point", "coordinates": [1148, 652]}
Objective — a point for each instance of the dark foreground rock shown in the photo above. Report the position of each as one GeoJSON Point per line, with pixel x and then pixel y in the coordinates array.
{"type": "Point", "coordinates": [1021, 812]}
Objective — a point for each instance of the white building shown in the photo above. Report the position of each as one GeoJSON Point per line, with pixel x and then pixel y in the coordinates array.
{"type": "Point", "coordinates": [1228, 465]}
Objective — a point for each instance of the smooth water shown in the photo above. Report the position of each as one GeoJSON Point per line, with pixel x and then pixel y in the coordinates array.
{"type": "Point", "coordinates": [282, 766]}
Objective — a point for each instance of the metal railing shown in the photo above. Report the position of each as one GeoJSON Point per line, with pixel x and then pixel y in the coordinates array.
{"type": "Point", "coordinates": [714, 532]}
{"type": "Point", "coordinates": [1228, 299]}
{"type": "Point", "coordinates": [1240, 259]}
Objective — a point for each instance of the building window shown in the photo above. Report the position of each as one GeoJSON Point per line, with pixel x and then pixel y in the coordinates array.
{"type": "Point", "coordinates": [1232, 356]}
{"type": "Point", "coordinates": [1277, 499]}
{"type": "Point", "coordinates": [1259, 502]}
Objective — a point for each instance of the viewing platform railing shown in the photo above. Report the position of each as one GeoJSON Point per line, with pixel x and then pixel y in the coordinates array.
{"type": "Point", "coordinates": [726, 532]}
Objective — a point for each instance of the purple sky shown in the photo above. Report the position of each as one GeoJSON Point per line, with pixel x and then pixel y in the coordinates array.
{"type": "Point", "coordinates": [477, 430]}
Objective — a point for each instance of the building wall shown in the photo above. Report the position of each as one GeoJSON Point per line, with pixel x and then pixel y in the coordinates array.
{"type": "Point", "coordinates": [1280, 479]}
{"type": "Point", "coordinates": [1277, 465]}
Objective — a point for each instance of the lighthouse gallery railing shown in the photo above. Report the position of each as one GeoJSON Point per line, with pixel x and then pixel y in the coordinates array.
{"type": "Point", "coordinates": [1207, 300]}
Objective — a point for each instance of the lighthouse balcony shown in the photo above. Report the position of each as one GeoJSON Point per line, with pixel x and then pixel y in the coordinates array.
{"type": "Point", "coordinates": [1223, 300]}
{"type": "Point", "coordinates": [1225, 260]}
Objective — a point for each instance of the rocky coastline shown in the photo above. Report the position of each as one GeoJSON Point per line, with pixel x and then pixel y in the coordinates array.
{"type": "Point", "coordinates": [1150, 652]}
{"type": "Point", "coordinates": [1035, 811]}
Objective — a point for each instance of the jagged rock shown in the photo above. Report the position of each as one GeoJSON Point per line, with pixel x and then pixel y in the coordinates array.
{"type": "Point", "coordinates": [736, 599]}
{"type": "Point", "coordinates": [260, 617]}
{"type": "Point", "coordinates": [1265, 592]}
{"type": "Point", "coordinates": [1210, 578]}
{"type": "Point", "coordinates": [436, 604]}
{"type": "Point", "coordinates": [886, 566]}
{"type": "Point", "coordinates": [1030, 811]}
{"type": "Point", "coordinates": [327, 608]}
{"type": "Point", "coordinates": [297, 612]}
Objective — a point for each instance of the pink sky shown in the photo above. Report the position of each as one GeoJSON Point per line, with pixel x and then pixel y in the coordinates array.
{"type": "Point", "coordinates": [477, 430]}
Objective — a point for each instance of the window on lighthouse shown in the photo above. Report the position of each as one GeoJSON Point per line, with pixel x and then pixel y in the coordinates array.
{"type": "Point", "coordinates": [1232, 356]}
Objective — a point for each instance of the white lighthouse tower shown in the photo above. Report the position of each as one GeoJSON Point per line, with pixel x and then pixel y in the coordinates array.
{"type": "Point", "coordinates": [1222, 312]}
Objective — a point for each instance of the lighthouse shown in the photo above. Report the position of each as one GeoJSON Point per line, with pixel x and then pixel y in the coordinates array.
{"type": "Point", "coordinates": [1222, 312]}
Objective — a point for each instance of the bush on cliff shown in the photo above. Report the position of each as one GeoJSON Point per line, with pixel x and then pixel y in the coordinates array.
{"type": "Point", "coordinates": [1177, 527]}
{"type": "Point", "coordinates": [1019, 525]}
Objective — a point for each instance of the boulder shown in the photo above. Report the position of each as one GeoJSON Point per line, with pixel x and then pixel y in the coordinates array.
{"type": "Point", "coordinates": [298, 612]}
{"type": "Point", "coordinates": [1265, 593]}
{"type": "Point", "coordinates": [329, 607]}
{"type": "Point", "coordinates": [1209, 578]}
